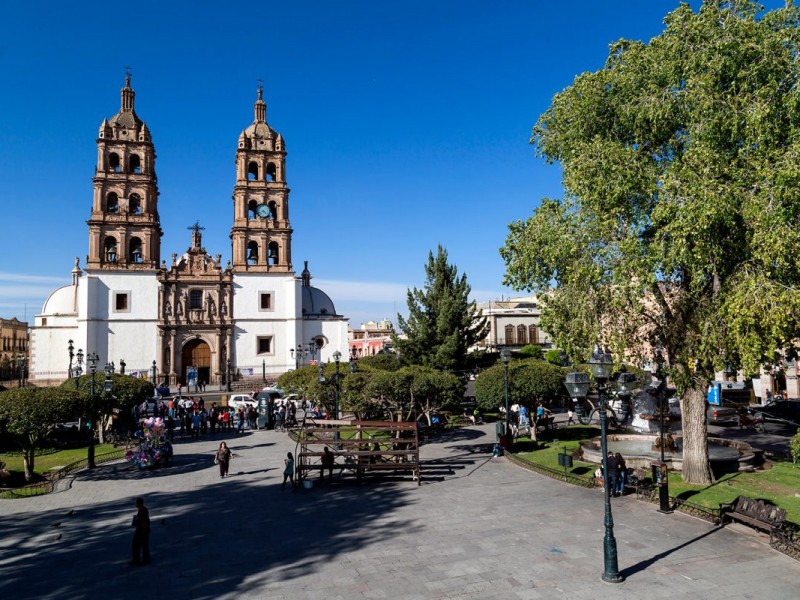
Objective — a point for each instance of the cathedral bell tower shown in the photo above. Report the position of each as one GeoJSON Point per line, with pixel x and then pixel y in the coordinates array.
{"type": "Point", "coordinates": [124, 229]}
{"type": "Point", "coordinates": [261, 236]}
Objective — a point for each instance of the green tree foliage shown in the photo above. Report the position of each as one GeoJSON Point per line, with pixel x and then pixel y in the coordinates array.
{"type": "Point", "coordinates": [532, 351]}
{"type": "Point", "coordinates": [383, 361]}
{"type": "Point", "coordinates": [555, 357]}
{"type": "Point", "coordinates": [126, 393]}
{"type": "Point", "coordinates": [442, 322]}
{"type": "Point", "coordinates": [28, 416]}
{"type": "Point", "coordinates": [680, 226]}
{"type": "Point", "coordinates": [416, 389]}
{"type": "Point", "coordinates": [529, 382]}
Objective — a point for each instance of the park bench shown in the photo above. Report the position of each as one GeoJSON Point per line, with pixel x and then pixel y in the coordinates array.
{"type": "Point", "coordinates": [756, 513]}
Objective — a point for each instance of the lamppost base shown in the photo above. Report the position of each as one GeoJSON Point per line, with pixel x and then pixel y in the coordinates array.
{"type": "Point", "coordinates": [612, 578]}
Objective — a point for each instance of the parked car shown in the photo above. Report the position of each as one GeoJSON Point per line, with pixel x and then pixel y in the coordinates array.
{"type": "Point", "coordinates": [241, 400]}
{"type": "Point", "coordinates": [780, 411]}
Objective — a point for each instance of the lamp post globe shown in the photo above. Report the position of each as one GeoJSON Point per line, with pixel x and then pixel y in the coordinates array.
{"type": "Point", "coordinates": [505, 356]}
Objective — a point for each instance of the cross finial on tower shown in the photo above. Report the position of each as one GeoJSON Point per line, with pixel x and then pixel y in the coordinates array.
{"type": "Point", "coordinates": [196, 235]}
{"type": "Point", "coordinates": [127, 75]}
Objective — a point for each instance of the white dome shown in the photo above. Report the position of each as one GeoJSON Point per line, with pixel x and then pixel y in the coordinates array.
{"type": "Point", "coordinates": [61, 302]}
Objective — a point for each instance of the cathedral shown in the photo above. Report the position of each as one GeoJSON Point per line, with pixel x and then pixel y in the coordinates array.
{"type": "Point", "coordinates": [192, 319]}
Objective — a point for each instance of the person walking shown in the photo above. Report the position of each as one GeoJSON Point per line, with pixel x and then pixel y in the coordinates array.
{"type": "Point", "coordinates": [288, 471]}
{"type": "Point", "coordinates": [223, 458]}
{"type": "Point", "coordinates": [141, 535]}
{"type": "Point", "coordinates": [570, 417]}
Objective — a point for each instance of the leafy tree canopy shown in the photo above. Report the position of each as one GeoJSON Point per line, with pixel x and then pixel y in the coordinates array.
{"type": "Point", "coordinates": [679, 226]}
{"type": "Point", "coordinates": [28, 416]}
{"type": "Point", "coordinates": [529, 381]}
{"type": "Point", "coordinates": [442, 322]}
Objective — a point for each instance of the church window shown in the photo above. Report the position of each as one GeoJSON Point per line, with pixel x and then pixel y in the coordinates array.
{"type": "Point", "coordinates": [264, 344]}
{"type": "Point", "coordinates": [251, 209]}
{"type": "Point", "coordinates": [272, 254]}
{"type": "Point", "coordinates": [134, 204]}
{"type": "Point", "coordinates": [121, 303]}
{"type": "Point", "coordinates": [510, 339]}
{"type": "Point", "coordinates": [110, 249]}
{"type": "Point", "coordinates": [534, 334]}
{"type": "Point", "coordinates": [271, 172]}
{"type": "Point", "coordinates": [252, 172]}
{"type": "Point", "coordinates": [134, 164]}
{"type": "Point", "coordinates": [252, 253]}
{"type": "Point", "coordinates": [112, 203]}
{"type": "Point", "coordinates": [522, 334]}
{"type": "Point", "coordinates": [196, 299]}
{"type": "Point", "coordinates": [135, 253]}
{"type": "Point", "coordinates": [265, 301]}
{"type": "Point", "coordinates": [113, 162]}
{"type": "Point", "coordinates": [44, 321]}
{"type": "Point", "coordinates": [273, 209]}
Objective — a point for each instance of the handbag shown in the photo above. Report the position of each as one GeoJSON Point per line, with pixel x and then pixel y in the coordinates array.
{"type": "Point", "coordinates": [216, 460]}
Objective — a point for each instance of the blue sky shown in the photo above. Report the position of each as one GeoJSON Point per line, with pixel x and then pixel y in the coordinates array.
{"type": "Point", "coordinates": [407, 125]}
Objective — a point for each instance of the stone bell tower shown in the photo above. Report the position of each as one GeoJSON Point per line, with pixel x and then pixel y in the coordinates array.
{"type": "Point", "coordinates": [124, 229]}
{"type": "Point", "coordinates": [261, 236]}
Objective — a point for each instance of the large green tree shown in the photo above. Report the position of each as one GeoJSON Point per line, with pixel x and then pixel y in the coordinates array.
{"type": "Point", "coordinates": [680, 226]}
{"type": "Point", "coordinates": [29, 415]}
{"type": "Point", "coordinates": [442, 322]}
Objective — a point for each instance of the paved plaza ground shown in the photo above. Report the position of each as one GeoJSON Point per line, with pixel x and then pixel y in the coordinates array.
{"type": "Point", "coordinates": [478, 527]}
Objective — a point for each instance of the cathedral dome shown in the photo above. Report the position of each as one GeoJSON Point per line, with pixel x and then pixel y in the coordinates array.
{"type": "Point", "coordinates": [317, 303]}
{"type": "Point", "coordinates": [60, 302]}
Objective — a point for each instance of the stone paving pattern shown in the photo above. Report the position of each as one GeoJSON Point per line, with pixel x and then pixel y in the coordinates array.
{"type": "Point", "coordinates": [478, 527]}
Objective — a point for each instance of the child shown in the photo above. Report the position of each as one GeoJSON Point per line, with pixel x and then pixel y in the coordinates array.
{"type": "Point", "coordinates": [288, 472]}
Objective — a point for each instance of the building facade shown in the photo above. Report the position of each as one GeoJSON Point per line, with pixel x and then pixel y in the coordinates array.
{"type": "Point", "coordinates": [515, 323]}
{"type": "Point", "coordinates": [13, 349]}
{"type": "Point", "coordinates": [370, 339]}
{"type": "Point", "coordinates": [194, 317]}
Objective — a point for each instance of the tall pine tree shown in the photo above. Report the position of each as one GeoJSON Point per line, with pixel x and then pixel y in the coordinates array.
{"type": "Point", "coordinates": [442, 322]}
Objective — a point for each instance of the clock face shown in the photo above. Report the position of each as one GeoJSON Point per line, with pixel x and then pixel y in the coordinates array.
{"type": "Point", "coordinates": [263, 211]}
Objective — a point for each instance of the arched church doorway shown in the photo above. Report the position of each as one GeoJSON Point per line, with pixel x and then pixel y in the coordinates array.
{"type": "Point", "coordinates": [196, 355]}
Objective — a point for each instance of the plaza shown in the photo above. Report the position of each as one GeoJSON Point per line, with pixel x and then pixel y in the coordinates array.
{"type": "Point", "coordinates": [477, 527]}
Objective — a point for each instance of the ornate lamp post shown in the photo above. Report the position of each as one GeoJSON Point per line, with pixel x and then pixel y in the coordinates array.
{"type": "Point", "coordinates": [71, 350]}
{"type": "Point", "coordinates": [337, 356]}
{"type": "Point", "coordinates": [228, 374]}
{"type": "Point", "coordinates": [21, 368]}
{"type": "Point", "coordinates": [505, 356]}
{"type": "Point", "coordinates": [298, 354]}
{"type": "Point", "coordinates": [121, 366]}
{"type": "Point", "coordinates": [108, 386]}
{"type": "Point", "coordinates": [154, 369]}
{"type": "Point", "coordinates": [600, 364]}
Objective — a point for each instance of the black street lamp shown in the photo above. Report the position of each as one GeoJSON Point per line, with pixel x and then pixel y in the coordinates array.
{"type": "Point", "coordinates": [71, 350]}
{"type": "Point", "coordinates": [601, 365]}
{"type": "Point", "coordinates": [21, 368]}
{"type": "Point", "coordinates": [228, 374]}
{"type": "Point", "coordinates": [153, 368]}
{"type": "Point", "coordinates": [121, 366]}
{"type": "Point", "coordinates": [505, 356]}
{"type": "Point", "coordinates": [337, 356]}
{"type": "Point", "coordinates": [298, 354]}
{"type": "Point", "coordinates": [264, 370]}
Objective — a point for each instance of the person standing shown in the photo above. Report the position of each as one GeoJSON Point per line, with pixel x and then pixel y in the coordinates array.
{"type": "Point", "coordinates": [327, 464]}
{"type": "Point", "coordinates": [622, 473]}
{"type": "Point", "coordinates": [612, 473]}
{"type": "Point", "coordinates": [288, 471]}
{"type": "Point", "coordinates": [570, 417]}
{"type": "Point", "coordinates": [141, 535]}
{"type": "Point", "coordinates": [223, 458]}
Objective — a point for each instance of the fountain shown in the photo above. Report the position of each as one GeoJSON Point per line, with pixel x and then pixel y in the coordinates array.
{"type": "Point", "coordinates": [641, 449]}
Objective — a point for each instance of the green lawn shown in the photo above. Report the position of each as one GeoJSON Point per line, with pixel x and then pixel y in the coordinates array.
{"type": "Point", "coordinates": [47, 460]}
{"type": "Point", "coordinates": [777, 484]}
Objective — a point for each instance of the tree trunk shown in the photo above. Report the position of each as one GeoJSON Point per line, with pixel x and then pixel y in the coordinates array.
{"type": "Point", "coordinates": [28, 456]}
{"type": "Point", "coordinates": [696, 466]}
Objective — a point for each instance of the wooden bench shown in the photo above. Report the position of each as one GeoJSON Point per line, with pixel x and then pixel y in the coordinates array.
{"type": "Point", "coordinates": [756, 513]}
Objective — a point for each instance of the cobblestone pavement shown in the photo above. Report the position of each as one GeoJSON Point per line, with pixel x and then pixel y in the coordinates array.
{"type": "Point", "coordinates": [477, 527]}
